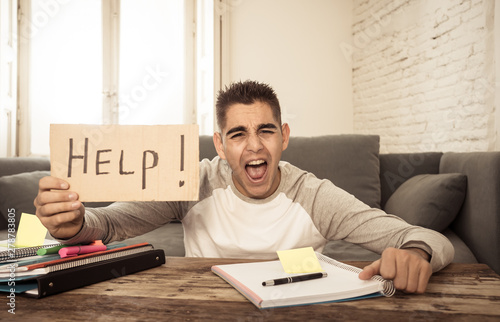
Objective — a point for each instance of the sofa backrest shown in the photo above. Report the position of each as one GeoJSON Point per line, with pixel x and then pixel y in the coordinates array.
{"type": "Point", "coordinates": [10, 166]}
{"type": "Point", "coordinates": [350, 161]}
{"type": "Point", "coordinates": [478, 222]}
{"type": "Point", "coordinates": [207, 148]}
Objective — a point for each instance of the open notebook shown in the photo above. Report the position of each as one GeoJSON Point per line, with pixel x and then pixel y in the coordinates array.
{"type": "Point", "coordinates": [341, 284]}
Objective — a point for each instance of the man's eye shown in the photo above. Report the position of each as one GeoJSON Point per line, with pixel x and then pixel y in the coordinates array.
{"type": "Point", "coordinates": [236, 135]}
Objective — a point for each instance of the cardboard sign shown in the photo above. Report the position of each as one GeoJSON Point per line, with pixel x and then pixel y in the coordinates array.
{"type": "Point", "coordinates": [127, 162]}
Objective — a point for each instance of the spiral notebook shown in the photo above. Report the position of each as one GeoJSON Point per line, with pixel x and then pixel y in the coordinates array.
{"type": "Point", "coordinates": [12, 253]}
{"type": "Point", "coordinates": [341, 284]}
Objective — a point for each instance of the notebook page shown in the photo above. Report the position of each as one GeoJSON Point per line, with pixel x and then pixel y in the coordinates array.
{"type": "Point", "coordinates": [339, 284]}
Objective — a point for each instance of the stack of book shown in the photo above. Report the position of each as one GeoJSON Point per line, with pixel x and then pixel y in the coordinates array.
{"type": "Point", "coordinates": [23, 271]}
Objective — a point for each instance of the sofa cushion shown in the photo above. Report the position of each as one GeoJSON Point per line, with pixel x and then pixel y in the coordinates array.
{"type": "Point", "coordinates": [18, 191]}
{"type": "Point", "coordinates": [396, 168]}
{"type": "Point", "coordinates": [463, 254]}
{"type": "Point", "coordinates": [429, 200]}
{"type": "Point", "coordinates": [351, 162]}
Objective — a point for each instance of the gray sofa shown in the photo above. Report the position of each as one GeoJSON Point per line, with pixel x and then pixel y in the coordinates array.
{"type": "Point", "coordinates": [457, 194]}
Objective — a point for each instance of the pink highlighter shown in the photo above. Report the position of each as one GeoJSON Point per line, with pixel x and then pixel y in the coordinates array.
{"type": "Point", "coordinates": [71, 251]}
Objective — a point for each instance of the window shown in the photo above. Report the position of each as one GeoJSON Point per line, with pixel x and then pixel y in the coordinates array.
{"type": "Point", "coordinates": [152, 60]}
{"type": "Point", "coordinates": [8, 82]}
{"type": "Point", "coordinates": [114, 61]}
{"type": "Point", "coordinates": [65, 76]}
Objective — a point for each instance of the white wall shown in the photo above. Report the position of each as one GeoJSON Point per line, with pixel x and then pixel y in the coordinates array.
{"type": "Point", "coordinates": [294, 45]}
{"type": "Point", "coordinates": [423, 74]}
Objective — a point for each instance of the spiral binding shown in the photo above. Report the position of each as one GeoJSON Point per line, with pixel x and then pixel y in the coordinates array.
{"type": "Point", "coordinates": [16, 253]}
{"type": "Point", "coordinates": [388, 288]}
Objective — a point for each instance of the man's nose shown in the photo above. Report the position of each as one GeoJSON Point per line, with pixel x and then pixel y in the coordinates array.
{"type": "Point", "coordinates": [254, 143]}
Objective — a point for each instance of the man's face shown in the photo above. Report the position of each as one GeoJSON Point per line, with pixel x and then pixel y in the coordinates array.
{"type": "Point", "coordinates": [252, 142]}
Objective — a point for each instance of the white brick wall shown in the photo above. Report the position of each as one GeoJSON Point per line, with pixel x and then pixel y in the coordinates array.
{"type": "Point", "coordinates": [423, 74]}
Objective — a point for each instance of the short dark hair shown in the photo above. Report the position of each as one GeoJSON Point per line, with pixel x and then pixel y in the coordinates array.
{"type": "Point", "coordinates": [247, 92]}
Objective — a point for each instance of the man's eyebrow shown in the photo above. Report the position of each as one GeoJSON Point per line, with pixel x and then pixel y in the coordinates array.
{"type": "Point", "coordinates": [242, 128]}
{"type": "Point", "coordinates": [236, 129]}
{"type": "Point", "coordinates": [267, 126]}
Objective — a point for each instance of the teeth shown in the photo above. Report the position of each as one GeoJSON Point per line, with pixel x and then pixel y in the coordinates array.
{"type": "Point", "coordinates": [256, 162]}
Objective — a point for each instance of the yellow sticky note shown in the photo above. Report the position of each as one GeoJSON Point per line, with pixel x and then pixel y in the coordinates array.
{"type": "Point", "coordinates": [30, 232]}
{"type": "Point", "coordinates": [300, 260]}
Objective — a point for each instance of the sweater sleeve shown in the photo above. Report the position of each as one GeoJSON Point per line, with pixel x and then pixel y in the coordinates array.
{"type": "Point", "coordinates": [339, 215]}
{"type": "Point", "coordinates": [122, 220]}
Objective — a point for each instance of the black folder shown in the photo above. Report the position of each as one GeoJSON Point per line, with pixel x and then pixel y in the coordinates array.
{"type": "Point", "coordinates": [72, 278]}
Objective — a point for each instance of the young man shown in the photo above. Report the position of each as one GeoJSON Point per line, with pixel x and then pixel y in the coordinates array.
{"type": "Point", "coordinates": [252, 205]}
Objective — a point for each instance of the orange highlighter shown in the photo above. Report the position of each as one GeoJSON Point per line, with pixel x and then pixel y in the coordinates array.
{"type": "Point", "coordinates": [71, 251]}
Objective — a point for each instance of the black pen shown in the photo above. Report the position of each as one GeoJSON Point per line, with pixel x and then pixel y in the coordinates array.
{"type": "Point", "coordinates": [293, 279]}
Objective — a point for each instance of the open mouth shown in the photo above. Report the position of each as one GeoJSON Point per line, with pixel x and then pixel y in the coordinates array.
{"type": "Point", "coordinates": [256, 169]}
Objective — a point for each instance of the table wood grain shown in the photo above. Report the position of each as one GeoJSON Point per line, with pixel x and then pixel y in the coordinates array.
{"type": "Point", "coordinates": [185, 289]}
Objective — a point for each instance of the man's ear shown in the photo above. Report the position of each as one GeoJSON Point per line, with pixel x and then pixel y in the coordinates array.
{"type": "Point", "coordinates": [219, 147]}
{"type": "Point", "coordinates": [285, 133]}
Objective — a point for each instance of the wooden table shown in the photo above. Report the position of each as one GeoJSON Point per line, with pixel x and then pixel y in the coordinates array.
{"type": "Point", "coordinates": [185, 289]}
